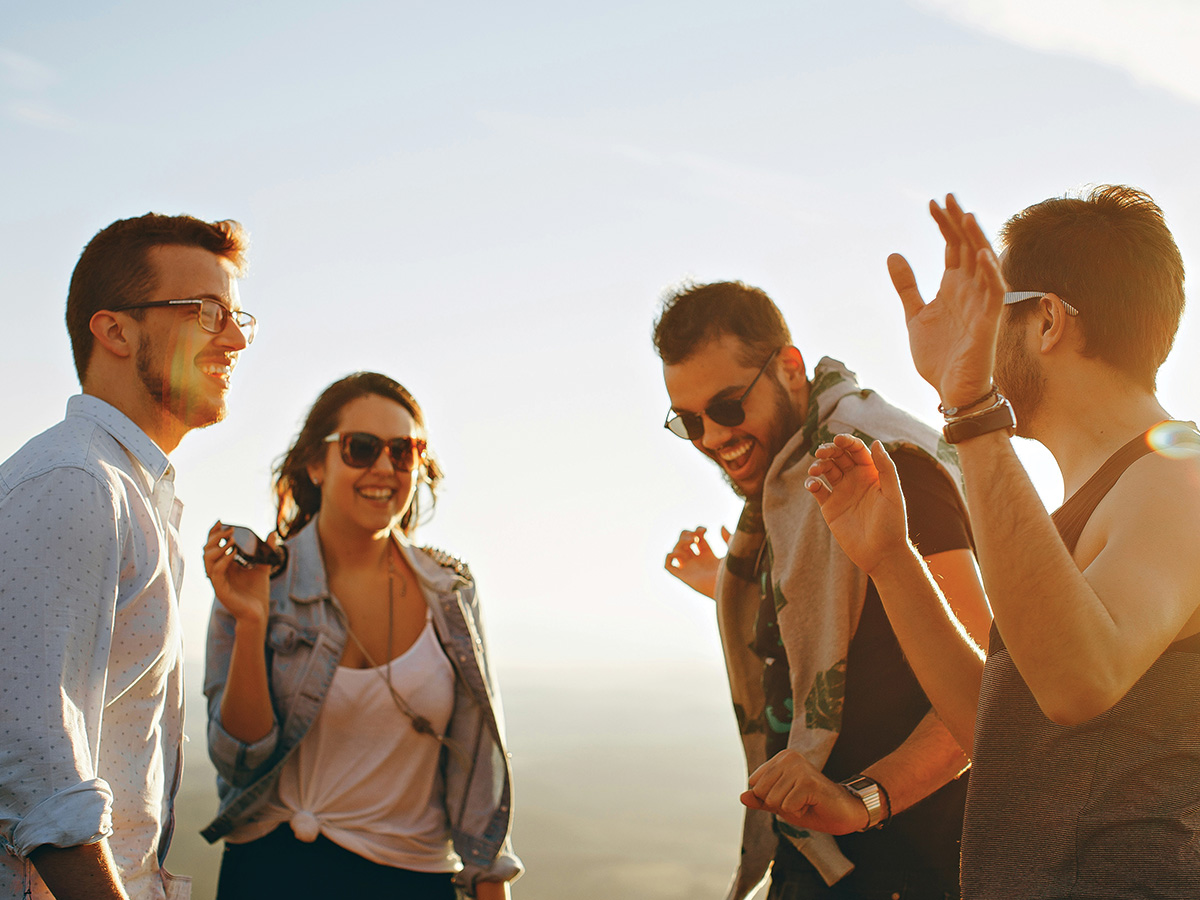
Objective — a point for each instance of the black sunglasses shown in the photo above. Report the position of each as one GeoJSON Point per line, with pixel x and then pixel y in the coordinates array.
{"type": "Point", "coordinates": [360, 449]}
{"type": "Point", "coordinates": [690, 425]}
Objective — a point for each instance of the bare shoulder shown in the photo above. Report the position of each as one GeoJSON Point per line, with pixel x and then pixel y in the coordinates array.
{"type": "Point", "coordinates": [1158, 493]}
{"type": "Point", "coordinates": [1147, 531]}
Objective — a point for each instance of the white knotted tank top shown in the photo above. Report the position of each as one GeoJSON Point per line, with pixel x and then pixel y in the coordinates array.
{"type": "Point", "coordinates": [362, 776]}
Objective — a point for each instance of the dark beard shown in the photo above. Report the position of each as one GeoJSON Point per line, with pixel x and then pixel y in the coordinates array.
{"type": "Point", "coordinates": [1018, 377]}
{"type": "Point", "coordinates": [786, 422]}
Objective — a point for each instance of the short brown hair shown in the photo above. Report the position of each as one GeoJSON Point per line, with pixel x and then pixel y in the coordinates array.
{"type": "Point", "coordinates": [1111, 256]}
{"type": "Point", "coordinates": [694, 314]}
{"type": "Point", "coordinates": [114, 268]}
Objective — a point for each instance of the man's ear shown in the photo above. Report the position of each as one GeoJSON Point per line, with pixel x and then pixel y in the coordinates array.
{"type": "Point", "coordinates": [112, 333]}
{"type": "Point", "coordinates": [791, 364]}
{"type": "Point", "coordinates": [1052, 322]}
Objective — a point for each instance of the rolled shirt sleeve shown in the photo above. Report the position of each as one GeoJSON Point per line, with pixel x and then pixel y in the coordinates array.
{"type": "Point", "coordinates": [237, 762]}
{"type": "Point", "coordinates": [59, 571]}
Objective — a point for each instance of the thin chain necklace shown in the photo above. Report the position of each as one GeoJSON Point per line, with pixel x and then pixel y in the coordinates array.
{"type": "Point", "coordinates": [420, 724]}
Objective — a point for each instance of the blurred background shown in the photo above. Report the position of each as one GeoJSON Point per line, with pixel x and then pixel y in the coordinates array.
{"type": "Point", "coordinates": [486, 202]}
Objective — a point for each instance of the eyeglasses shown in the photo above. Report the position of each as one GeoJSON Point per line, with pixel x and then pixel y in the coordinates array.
{"type": "Point", "coordinates": [690, 425]}
{"type": "Point", "coordinates": [214, 315]}
{"type": "Point", "coordinates": [1017, 296]}
{"type": "Point", "coordinates": [360, 449]}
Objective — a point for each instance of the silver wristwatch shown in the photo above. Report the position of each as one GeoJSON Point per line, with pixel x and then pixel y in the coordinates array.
{"type": "Point", "coordinates": [871, 794]}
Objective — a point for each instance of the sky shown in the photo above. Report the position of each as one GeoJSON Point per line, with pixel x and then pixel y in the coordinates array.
{"type": "Point", "coordinates": [486, 202]}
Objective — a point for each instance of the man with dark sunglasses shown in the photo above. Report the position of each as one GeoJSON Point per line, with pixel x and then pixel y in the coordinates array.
{"type": "Point", "coordinates": [90, 565]}
{"type": "Point", "coordinates": [837, 732]}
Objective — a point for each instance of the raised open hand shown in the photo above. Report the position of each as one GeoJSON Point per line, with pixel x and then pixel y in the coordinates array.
{"type": "Point", "coordinates": [859, 494]}
{"type": "Point", "coordinates": [953, 337]}
{"type": "Point", "coordinates": [693, 562]}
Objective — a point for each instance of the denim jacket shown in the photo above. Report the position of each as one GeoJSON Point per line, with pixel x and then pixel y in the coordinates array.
{"type": "Point", "coordinates": [305, 639]}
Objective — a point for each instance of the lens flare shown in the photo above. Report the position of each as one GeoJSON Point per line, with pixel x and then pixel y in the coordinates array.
{"type": "Point", "coordinates": [1174, 440]}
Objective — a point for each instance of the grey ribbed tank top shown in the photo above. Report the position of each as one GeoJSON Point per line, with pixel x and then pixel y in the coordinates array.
{"type": "Point", "coordinates": [1106, 809]}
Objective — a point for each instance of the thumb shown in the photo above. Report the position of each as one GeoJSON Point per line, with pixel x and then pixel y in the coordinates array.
{"type": "Point", "coordinates": [889, 478]}
{"type": "Point", "coordinates": [725, 534]}
{"type": "Point", "coordinates": [905, 283]}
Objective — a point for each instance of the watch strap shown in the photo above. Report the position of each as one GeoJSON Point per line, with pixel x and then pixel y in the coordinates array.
{"type": "Point", "coordinates": [872, 795]}
{"type": "Point", "coordinates": [999, 416]}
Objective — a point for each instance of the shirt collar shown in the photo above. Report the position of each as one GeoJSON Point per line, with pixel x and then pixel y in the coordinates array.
{"type": "Point", "coordinates": [308, 582]}
{"type": "Point", "coordinates": [121, 427]}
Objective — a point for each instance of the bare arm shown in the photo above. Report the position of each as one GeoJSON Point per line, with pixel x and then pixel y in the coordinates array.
{"type": "Point", "coordinates": [246, 711]}
{"type": "Point", "coordinates": [491, 890]}
{"type": "Point", "coordinates": [86, 872]}
{"type": "Point", "coordinates": [864, 508]}
{"type": "Point", "coordinates": [789, 786]}
{"type": "Point", "coordinates": [1080, 639]}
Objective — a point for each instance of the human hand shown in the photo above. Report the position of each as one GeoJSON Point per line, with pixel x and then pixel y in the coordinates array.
{"type": "Point", "coordinates": [693, 562]}
{"type": "Point", "coordinates": [243, 591]}
{"type": "Point", "coordinates": [860, 499]}
{"type": "Point", "coordinates": [788, 786]}
{"type": "Point", "coordinates": [953, 337]}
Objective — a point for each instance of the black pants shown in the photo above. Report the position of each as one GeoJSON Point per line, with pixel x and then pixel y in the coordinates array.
{"type": "Point", "coordinates": [794, 878]}
{"type": "Point", "coordinates": [279, 865]}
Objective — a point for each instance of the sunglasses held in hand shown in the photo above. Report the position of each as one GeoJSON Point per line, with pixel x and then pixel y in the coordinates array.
{"type": "Point", "coordinates": [248, 549]}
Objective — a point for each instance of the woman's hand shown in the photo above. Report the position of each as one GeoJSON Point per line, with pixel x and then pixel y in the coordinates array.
{"type": "Point", "coordinates": [859, 493]}
{"type": "Point", "coordinates": [244, 592]}
{"type": "Point", "coordinates": [693, 562]}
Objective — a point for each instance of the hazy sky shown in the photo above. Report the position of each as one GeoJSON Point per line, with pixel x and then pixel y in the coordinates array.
{"type": "Point", "coordinates": [485, 201]}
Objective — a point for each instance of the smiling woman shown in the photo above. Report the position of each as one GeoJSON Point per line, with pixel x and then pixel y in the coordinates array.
{"type": "Point", "coordinates": [352, 714]}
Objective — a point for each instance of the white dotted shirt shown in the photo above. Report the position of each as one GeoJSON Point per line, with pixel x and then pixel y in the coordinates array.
{"type": "Point", "coordinates": [91, 661]}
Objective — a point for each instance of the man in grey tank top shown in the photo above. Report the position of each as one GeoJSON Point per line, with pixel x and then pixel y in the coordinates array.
{"type": "Point", "coordinates": [1083, 724]}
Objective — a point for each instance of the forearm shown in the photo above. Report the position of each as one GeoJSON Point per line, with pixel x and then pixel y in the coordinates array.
{"type": "Point", "coordinates": [945, 658]}
{"type": "Point", "coordinates": [86, 872]}
{"type": "Point", "coordinates": [927, 760]}
{"type": "Point", "coordinates": [491, 890]}
{"type": "Point", "coordinates": [1060, 635]}
{"type": "Point", "coordinates": [246, 711]}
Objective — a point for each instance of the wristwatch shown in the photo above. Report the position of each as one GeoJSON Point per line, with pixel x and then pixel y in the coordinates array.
{"type": "Point", "coordinates": [869, 791]}
{"type": "Point", "coordinates": [999, 415]}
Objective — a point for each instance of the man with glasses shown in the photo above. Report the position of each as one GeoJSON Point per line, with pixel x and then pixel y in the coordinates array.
{"type": "Point", "coordinates": [1084, 722]}
{"type": "Point", "coordinates": [837, 732]}
{"type": "Point", "coordinates": [90, 567]}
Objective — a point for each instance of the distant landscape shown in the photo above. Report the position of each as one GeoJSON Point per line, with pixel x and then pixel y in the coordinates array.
{"type": "Point", "coordinates": [626, 785]}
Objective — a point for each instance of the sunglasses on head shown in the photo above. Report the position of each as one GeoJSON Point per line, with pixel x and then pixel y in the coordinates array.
{"type": "Point", "coordinates": [1019, 296]}
{"type": "Point", "coordinates": [690, 425]}
{"type": "Point", "coordinates": [360, 449]}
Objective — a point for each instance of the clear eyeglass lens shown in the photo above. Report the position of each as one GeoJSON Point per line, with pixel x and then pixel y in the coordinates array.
{"type": "Point", "coordinates": [214, 317]}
